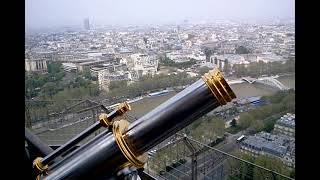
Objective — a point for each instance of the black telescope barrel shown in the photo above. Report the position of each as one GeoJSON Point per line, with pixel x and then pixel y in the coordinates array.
{"type": "Point", "coordinates": [32, 139]}
{"type": "Point", "coordinates": [102, 155]}
{"type": "Point", "coordinates": [47, 159]}
{"type": "Point", "coordinates": [171, 116]}
{"type": "Point", "coordinates": [111, 115]}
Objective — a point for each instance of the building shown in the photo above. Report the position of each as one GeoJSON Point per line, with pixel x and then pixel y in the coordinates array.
{"type": "Point", "coordinates": [177, 56]}
{"type": "Point", "coordinates": [105, 77]}
{"type": "Point", "coordinates": [277, 146]}
{"type": "Point", "coordinates": [95, 70]}
{"type": "Point", "coordinates": [83, 64]}
{"type": "Point", "coordinates": [267, 57]}
{"type": "Point", "coordinates": [142, 64]}
{"type": "Point", "coordinates": [86, 24]}
{"type": "Point", "coordinates": [35, 65]}
{"type": "Point", "coordinates": [95, 55]}
{"type": "Point", "coordinates": [219, 60]}
{"type": "Point", "coordinates": [87, 65]}
{"type": "Point", "coordinates": [69, 67]}
{"type": "Point", "coordinates": [250, 57]}
{"type": "Point", "coordinates": [285, 125]}
{"type": "Point", "coordinates": [199, 56]}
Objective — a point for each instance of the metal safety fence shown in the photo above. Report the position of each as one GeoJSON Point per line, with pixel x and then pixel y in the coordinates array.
{"type": "Point", "coordinates": [185, 158]}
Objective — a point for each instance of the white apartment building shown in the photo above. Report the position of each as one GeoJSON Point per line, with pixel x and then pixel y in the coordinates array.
{"type": "Point", "coordinates": [143, 64]}
{"type": "Point", "coordinates": [105, 78]}
{"type": "Point", "coordinates": [35, 65]}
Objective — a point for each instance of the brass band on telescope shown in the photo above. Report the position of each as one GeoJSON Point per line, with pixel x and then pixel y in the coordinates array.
{"type": "Point", "coordinates": [123, 108]}
{"type": "Point", "coordinates": [104, 121]}
{"type": "Point", "coordinates": [218, 86]}
{"type": "Point", "coordinates": [37, 163]}
{"type": "Point", "coordinates": [124, 165]}
{"type": "Point", "coordinates": [107, 122]}
{"type": "Point", "coordinates": [215, 82]}
{"type": "Point", "coordinates": [40, 167]}
{"type": "Point", "coordinates": [118, 128]}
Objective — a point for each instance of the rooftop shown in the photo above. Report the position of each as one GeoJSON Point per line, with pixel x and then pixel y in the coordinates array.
{"type": "Point", "coordinates": [273, 144]}
{"type": "Point", "coordinates": [287, 120]}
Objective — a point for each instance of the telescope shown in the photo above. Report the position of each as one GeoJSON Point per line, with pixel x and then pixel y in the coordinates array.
{"type": "Point", "coordinates": [124, 146]}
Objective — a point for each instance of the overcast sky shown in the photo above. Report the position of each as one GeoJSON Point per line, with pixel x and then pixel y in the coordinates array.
{"type": "Point", "coordinates": [48, 13]}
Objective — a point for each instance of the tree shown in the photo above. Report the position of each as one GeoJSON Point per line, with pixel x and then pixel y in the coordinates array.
{"type": "Point", "coordinates": [94, 78]}
{"type": "Point", "coordinates": [241, 170]}
{"type": "Point", "coordinates": [265, 116]}
{"type": "Point", "coordinates": [245, 120]}
{"type": "Point", "coordinates": [218, 125]}
{"type": "Point", "coordinates": [255, 127]}
{"type": "Point", "coordinates": [147, 84]}
{"type": "Point", "coordinates": [275, 67]}
{"type": "Point", "coordinates": [208, 128]}
{"type": "Point", "coordinates": [240, 70]}
{"type": "Point", "coordinates": [87, 74]}
{"type": "Point", "coordinates": [181, 65]}
{"type": "Point", "coordinates": [293, 173]}
{"type": "Point", "coordinates": [262, 66]}
{"type": "Point", "coordinates": [58, 76]}
{"type": "Point", "coordinates": [269, 125]}
{"type": "Point", "coordinates": [254, 70]}
{"type": "Point", "coordinates": [208, 52]}
{"type": "Point", "coordinates": [145, 40]}
{"type": "Point", "coordinates": [54, 67]}
{"type": "Point", "coordinates": [117, 84]}
{"type": "Point", "coordinates": [93, 90]}
{"type": "Point", "coordinates": [233, 123]}
{"type": "Point", "coordinates": [242, 50]}
{"type": "Point", "coordinates": [204, 70]}
{"type": "Point", "coordinates": [269, 163]}
{"type": "Point", "coordinates": [49, 89]}
{"type": "Point", "coordinates": [219, 64]}
{"type": "Point", "coordinates": [290, 65]}
{"type": "Point", "coordinates": [289, 102]}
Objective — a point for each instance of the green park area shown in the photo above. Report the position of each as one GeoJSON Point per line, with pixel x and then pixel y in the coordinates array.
{"type": "Point", "coordinates": [241, 170]}
{"type": "Point", "coordinates": [263, 117]}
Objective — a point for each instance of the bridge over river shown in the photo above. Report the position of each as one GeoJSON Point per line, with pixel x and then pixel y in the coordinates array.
{"type": "Point", "coordinates": [268, 81]}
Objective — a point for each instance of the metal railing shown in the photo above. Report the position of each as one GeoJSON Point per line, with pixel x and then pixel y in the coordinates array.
{"type": "Point", "coordinates": [186, 158]}
{"type": "Point", "coordinates": [179, 157]}
{"type": "Point", "coordinates": [58, 128]}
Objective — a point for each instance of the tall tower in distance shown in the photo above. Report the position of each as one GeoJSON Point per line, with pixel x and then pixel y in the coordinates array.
{"type": "Point", "coordinates": [86, 24]}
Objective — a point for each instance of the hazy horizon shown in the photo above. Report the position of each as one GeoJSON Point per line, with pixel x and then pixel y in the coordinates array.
{"type": "Point", "coordinates": [56, 13]}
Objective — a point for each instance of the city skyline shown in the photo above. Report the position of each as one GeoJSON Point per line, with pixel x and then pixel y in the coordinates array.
{"type": "Point", "coordinates": [86, 63]}
{"type": "Point", "coordinates": [46, 14]}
